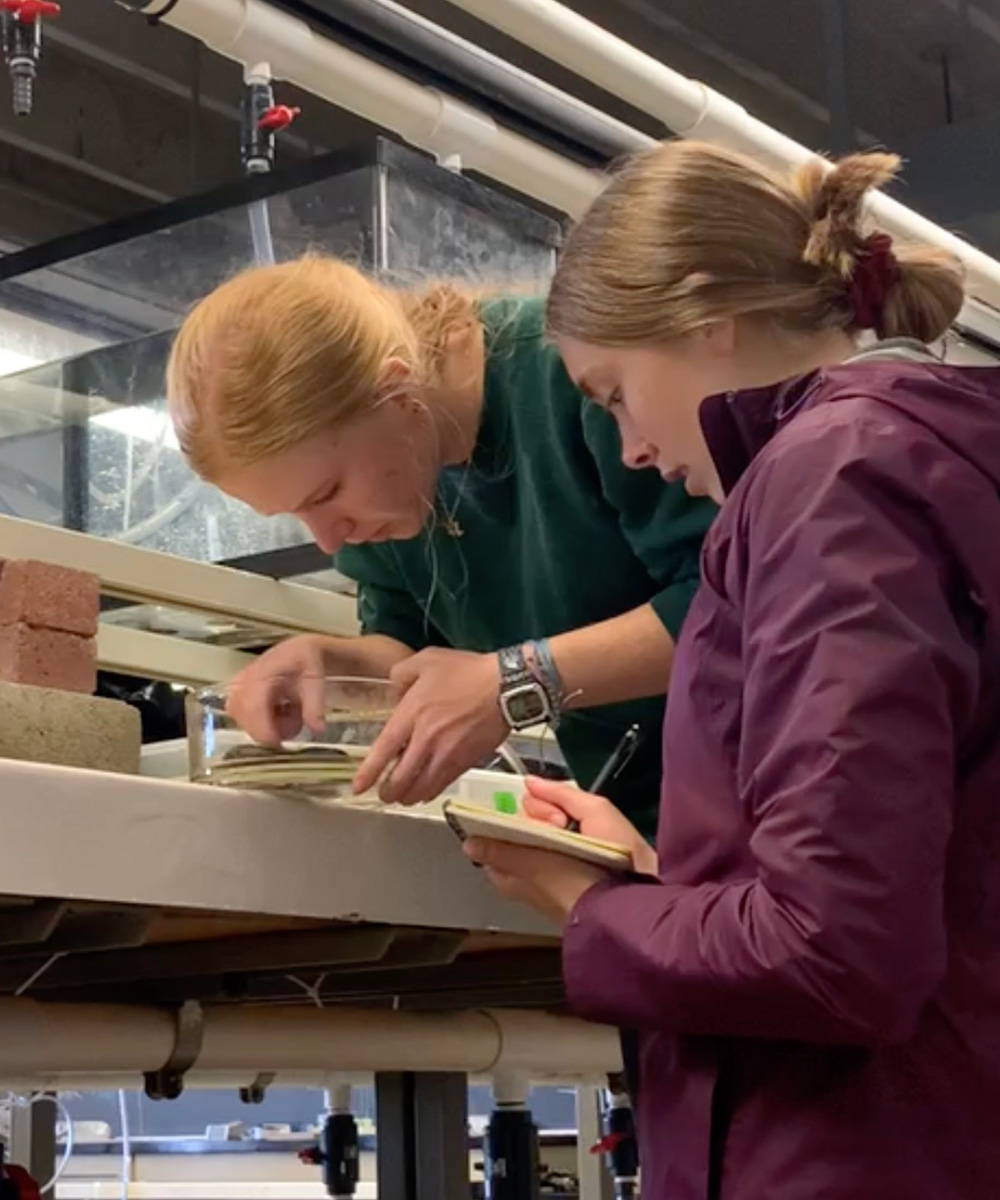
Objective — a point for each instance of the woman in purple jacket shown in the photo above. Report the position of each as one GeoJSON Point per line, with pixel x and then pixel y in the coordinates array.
{"type": "Point", "coordinates": [811, 958]}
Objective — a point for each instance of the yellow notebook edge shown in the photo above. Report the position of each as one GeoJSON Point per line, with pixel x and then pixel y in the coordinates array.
{"type": "Point", "coordinates": [562, 840]}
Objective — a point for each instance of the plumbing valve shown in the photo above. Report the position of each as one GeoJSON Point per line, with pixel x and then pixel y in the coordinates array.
{"type": "Point", "coordinates": [277, 117]}
{"type": "Point", "coordinates": [262, 120]}
{"type": "Point", "coordinates": [619, 1147]}
{"type": "Point", "coordinates": [511, 1164]}
{"type": "Point", "coordinates": [27, 11]}
{"type": "Point", "coordinates": [22, 46]}
{"type": "Point", "coordinates": [15, 1182]}
{"type": "Point", "coordinates": [338, 1155]}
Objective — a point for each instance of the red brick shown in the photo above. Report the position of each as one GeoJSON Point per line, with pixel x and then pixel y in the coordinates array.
{"type": "Point", "coordinates": [49, 597]}
{"type": "Point", "coordinates": [48, 658]}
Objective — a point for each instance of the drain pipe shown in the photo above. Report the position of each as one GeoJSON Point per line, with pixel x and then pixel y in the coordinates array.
{"type": "Point", "coordinates": [511, 1167]}
{"type": "Point", "coordinates": [260, 121]}
{"type": "Point", "coordinates": [618, 1143]}
{"type": "Point", "coordinates": [66, 1040]}
{"type": "Point", "coordinates": [338, 1152]}
{"type": "Point", "coordinates": [691, 109]}
{"type": "Point", "coordinates": [251, 31]}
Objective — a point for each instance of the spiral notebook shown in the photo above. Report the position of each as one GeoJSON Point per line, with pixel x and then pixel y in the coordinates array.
{"type": "Point", "coordinates": [472, 820]}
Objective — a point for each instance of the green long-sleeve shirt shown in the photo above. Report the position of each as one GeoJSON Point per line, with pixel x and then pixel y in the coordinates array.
{"type": "Point", "coordinates": [556, 534]}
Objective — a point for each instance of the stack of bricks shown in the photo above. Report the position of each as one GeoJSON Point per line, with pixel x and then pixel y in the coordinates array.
{"type": "Point", "coordinates": [48, 626]}
{"type": "Point", "coordinates": [48, 674]}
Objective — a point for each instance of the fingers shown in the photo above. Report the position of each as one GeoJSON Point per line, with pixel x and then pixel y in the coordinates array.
{"type": "Point", "coordinates": [285, 723]}
{"type": "Point", "coordinates": [564, 797]}
{"type": "Point", "coordinates": [421, 775]}
{"type": "Point", "coordinates": [406, 673]}
{"type": "Point", "coordinates": [518, 873]}
{"type": "Point", "coordinates": [265, 709]}
{"type": "Point", "coordinates": [520, 862]}
{"type": "Point", "coordinates": [282, 691]}
{"type": "Point", "coordinates": [407, 782]}
{"type": "Point", "coordinates": [474, 849]}
{"type": "Point", "coordinates": [543, 810]}
{"type": "Point", "coordinates": [387, 747]}
{"type": "Point", "coordinates": [509, 886]}
{"type": "Point", "coordinates": [312, 703]}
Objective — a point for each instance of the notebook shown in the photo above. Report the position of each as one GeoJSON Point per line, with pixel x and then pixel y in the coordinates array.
{"type": "Point", "coordinates": [472, 820]}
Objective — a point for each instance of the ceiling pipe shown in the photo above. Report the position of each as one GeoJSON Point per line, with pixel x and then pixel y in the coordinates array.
{"type": "Point", "coordinates": [418, 49]}
{"type": "Point", "coordinates": [250, 31]}
{"type": "Point", "coordinates": [126, 1040]}
{"type": "Point", "coordinates": [691, 109]}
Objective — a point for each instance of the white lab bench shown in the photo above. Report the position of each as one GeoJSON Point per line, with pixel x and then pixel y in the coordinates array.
{"type": "Point", "coordinates": [126, 840]}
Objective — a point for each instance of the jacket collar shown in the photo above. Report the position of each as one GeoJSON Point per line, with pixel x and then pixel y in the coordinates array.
{"type": "Point", "coordinates": [738, 425]}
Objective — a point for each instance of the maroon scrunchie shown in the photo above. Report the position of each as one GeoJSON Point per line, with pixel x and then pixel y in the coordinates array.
{"type": "Point", "coordinates": [876, 272]}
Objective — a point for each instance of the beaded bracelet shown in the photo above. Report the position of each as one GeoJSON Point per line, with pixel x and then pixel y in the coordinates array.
{"type": "Point", "coordinates": [544, 669]}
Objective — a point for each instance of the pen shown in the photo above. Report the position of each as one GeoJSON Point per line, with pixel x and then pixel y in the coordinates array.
{"type": "Point", "coordinates": [617, 761]}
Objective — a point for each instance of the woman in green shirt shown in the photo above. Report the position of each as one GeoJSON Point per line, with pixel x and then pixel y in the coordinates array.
{"type": "Point", "coordinates": [507, 562]}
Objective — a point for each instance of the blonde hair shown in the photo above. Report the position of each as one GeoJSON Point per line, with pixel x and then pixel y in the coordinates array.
{"type": "Point", "coordinates": [280, 353]}
{"type": "Point", "coordinates": [687, 233]}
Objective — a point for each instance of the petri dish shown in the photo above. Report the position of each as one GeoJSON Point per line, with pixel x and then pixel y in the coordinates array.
{"type": "Point", "coordinates": [321, 763]}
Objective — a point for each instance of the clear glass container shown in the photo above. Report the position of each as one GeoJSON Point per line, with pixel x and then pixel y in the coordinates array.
{"type": "Point", "coordinates": [322, 764]}
{"type": "Point", "coordinates": [86, 326]}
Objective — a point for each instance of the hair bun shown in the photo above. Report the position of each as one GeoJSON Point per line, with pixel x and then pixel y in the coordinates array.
{"type": "Point", "coordinates": [834, 199]}
{"type": "Point", "coordinates": [687, 233]}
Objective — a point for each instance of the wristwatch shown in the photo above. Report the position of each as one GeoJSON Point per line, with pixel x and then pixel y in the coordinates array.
{"type": "Point", "coordinates": [523, 700]}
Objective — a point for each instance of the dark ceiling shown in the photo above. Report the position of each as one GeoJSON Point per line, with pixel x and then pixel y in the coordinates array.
{"type": "Point", "coordinates": [128, 115]}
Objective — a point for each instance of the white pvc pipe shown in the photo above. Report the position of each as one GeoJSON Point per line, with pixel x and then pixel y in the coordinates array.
{"type": "Point", "coordinates": [510, 1089]}
{"type": "Point", "coordinates": [338, 1097]}
{"type": "Point", "coordinates": [691, 109]}
{"type": "Point", "coordinates": [684, 105]}
{"type": "Point", "coordinates": [117, 1039]}
{"type": "Point", "coordinates": [250, 31]}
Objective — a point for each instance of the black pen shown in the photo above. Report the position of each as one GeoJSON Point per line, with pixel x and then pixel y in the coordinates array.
{"type": "Point", "coordinates": [617, 761]}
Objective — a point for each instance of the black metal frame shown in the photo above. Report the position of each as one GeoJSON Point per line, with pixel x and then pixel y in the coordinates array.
{"type": "Point", "coordinates": [304, 559]}
{"type": "Point", "coordinates": [189, 208]}
{"type": "Point", "coordinates": [423, 1140]}
{"type": "Point", "coordinates": [380, 152]}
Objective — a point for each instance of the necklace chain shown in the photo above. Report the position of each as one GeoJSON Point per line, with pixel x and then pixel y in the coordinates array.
{"type": "Point", "coordinates": [446, 518]}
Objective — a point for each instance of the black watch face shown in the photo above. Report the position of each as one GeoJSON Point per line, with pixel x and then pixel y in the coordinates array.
{"type": "Point", "coordinates": [525, 705]}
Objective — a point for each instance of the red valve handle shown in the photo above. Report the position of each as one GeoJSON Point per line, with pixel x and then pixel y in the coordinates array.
{"type": "Point", "coordinates": [311, 1156]}
{"type": "Point", "coordinates": [608, 1143]}
{"type": "Point", "coordinates": [27, 11]}
{"type": "Point", "coordinates": [27, 1189]}
{"type": "Point", "coordinates": [279, 117]}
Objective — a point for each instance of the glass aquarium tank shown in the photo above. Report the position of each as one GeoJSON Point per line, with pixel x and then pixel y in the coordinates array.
{"type": "Point", "coordinates": [84, 439]}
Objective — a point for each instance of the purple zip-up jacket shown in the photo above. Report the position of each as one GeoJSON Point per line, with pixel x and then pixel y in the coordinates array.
{"type": "Point", "coordinates": [815, 978]}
